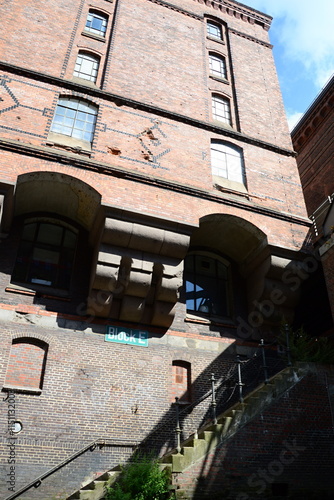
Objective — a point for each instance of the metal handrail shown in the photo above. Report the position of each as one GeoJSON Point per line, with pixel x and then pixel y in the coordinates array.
{"type": "Point", "coordinates": [91, 446]}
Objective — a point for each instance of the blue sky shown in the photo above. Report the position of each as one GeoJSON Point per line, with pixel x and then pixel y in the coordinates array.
{"type": "Point", "coordinates": [302, 33]}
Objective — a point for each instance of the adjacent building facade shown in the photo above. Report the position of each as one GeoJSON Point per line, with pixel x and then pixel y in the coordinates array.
{"type": "Point", "coordinates": [313, 139]}
{"type": "Point", "coordinates": [152, 220]}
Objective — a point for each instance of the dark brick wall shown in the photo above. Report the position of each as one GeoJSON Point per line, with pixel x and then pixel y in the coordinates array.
{"type": "Point", "coordinates": [315, 158]}
{"type": "Point", "coordinates": [290, 443]}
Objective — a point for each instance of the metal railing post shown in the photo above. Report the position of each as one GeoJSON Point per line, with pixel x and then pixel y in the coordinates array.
{"type": "Point", "coordinates": [240, 384]}
{"type": "Point", "coordinates": [213, 401]}
{"type": "Point", "coordinates": [265, 367]}
{"type": "Point", "coordinates": [178, 428]}
{"type": "Point", "coordinates": [287, 333]}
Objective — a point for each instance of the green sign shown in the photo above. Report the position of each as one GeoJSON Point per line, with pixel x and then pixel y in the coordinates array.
{"type": "Point", "coordinates": [126, 336]}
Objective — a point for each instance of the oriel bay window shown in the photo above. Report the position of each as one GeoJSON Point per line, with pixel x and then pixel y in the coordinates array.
{"type": "Point", "coordinates": [46, 254]}
{"type": "Point", "coordinates": [207, 285]}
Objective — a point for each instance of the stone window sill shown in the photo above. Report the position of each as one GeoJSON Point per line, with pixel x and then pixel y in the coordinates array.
{"type": "Point", "coordinates": [22, 389]}
{"type": "Point", "coordinates": [96, 37]}
{"type": "Point", "coordinates": [214, 39]}
{"type": "Point", "coordinates": [40, 291]}
{"type": "Point", "coordinates": [69, 143]}
{"type": "Point", "coordinates": [217, 79]}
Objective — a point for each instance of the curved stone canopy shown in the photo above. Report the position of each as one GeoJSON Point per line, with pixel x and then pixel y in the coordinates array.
{"type": "Point", "coordinates": [229, 234]}
{"type": "Point", "coordinates": [57, 193]}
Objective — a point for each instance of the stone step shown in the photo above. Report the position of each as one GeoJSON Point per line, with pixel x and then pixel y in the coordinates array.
{"type": "Point", "coordinates": [229, 422]}
{"type": "Point", "coordinates": [96, 489]}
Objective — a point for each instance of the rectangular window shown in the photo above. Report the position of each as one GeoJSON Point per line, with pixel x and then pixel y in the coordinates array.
{"type": "Point", "coordinates": [87, 66]}
{"type": "Point", "coordinates": [217, 66]}
{"type": "Point", "coordinates": [221, 109]}
{"type": "Point", "coordinates": [75, 118]}
{"type": "Point", "coordinates": [214, 30]}
{"type": "Point", "coordinates": [96, 24]}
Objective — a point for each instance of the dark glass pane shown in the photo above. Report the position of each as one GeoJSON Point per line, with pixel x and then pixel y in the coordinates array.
{"type": "Point", "coordinates": [70, 239]}
{"type": "Point", "coordinates": [189, 263]}
{"type": "Point", "coordinates": [45, 255]}
{"type": "Point", "coordinates": [206, 285]}
{"type": "Point", "coordinates": [22, 262]}
{"type": "Point", "coordinates": [29, 230]}
{"type": "Point", "coordinates": [221, 270]}
{"type": "Point", "coordinates": [43, 269]}
{"type": "Point", "coordinates": [50, 234]}
{"type": "Point", "coordinates": [65, 268]}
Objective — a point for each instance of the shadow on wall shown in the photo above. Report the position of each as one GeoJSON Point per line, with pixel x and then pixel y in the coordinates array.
{"type": "Point", "coordinates": [198, 412]}
{"type": "Point", "coordinates": [285, 452]}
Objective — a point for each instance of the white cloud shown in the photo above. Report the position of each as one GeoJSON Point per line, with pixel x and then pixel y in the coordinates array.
{"type": "Point", "coordinates": [305, 32]}
{"type": "Point", "coordinates": [293, 119]}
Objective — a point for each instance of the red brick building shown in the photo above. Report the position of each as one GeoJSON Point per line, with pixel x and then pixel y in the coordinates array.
{"type": "Point", "coordinates": [152, 223]}
{"type": "Point", "coordinates": [313, 139]}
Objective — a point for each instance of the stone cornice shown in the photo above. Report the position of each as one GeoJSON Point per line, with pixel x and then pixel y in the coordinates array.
{"type": "Point", "coordinates": [239, 11]}
{"type": "Point", "coordinates": [314, 116]}
{"type": "Point", "coordinates": [75, 160]}
{"type": "Point", "coordinates": [148, 108]}
{"type": "Point", "coordinates": [251, 38]}
{"type": "Point", "coordinates": [234, 9]}
{"type": "Point", "coordinates": [177, 9]}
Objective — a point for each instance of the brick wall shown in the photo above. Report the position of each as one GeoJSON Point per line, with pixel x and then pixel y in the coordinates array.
{"type": "Point", "coordinates": [150, 155]}
{"type": "Point", "coordinates": [288, 447]}
{"type": "Point", "coordinates": [315, 146]}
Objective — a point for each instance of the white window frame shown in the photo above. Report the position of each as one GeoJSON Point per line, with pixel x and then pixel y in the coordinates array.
{"type": "Point", "coordinates": [217, 66]}
{"type": "Point", "coordinates": [221, 109]}
{"type": "Point", "coordinates": [214, 30]}
{"type": "Point", "coordinates": [76, 118]}
{"type": "Point", "coordinates": [227, 161]}
{"type": "Point", "coordinates": [87, 66]}
{"type": "Point", "coordinates": [97, 17]}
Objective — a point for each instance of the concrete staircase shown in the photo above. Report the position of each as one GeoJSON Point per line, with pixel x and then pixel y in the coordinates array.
{"type": "Point", "coordinates": [228, 423]}
{"type": "Point", "coordinates": [209, 437]}
{"type": "Point", "coordinates": [96, 489]}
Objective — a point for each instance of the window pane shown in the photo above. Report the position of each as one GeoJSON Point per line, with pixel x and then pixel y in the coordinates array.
{"type": "Point", "coordinates": [72, 122]}
{"type": "Point", "coordinates": [86, 67]}
{"type": "Point", "coordinates": [49, 233]}
{"type": "Point", "coordinates": [28, 233]}
{"type": "Point", "coordinates": [46, 260]}
{"type": "Point", "coordinates": [69, 239]}
{"type": "Point", "coordinates": [206, 286]}
{"type": "Point", "coordinates": [226, 161]}
{"type": "Point", "coordinates": [96, 23]}
{"type": "Point", "coordinates": [43, 268]}
{"type": "Point", "coordinates": [217, 66]}
{"type": "Point", "coordinates": [214, 29]}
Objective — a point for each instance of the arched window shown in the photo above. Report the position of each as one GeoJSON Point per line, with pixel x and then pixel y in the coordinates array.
{"type": "Point", "coordinates": [87, 66]}
{"type": "Point", "coordinates": [227, 161]}
{"type": "Point", "coordinates": [181, 381]}
{"type": "Point", "coordinates": [214, 30]}
{"type": "Point", "coordinates": [96, 23]}
{"type": "Point", "coordinates": [221, 109]}
{"type": "Point", "coordinates": [207, 285]}
{"type": "Point", "coordinates": [217, 66]}
{"type": "Point", "coordinates": [75, 117]}
{"type": "Point", "coordinates": [26, 364]}
{"type": "Point", "coordinates": [46, 254]}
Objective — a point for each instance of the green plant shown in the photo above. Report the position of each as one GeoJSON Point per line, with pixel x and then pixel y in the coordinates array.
{"type": "Point", "coordinates": [141, 479]}
{"type": "Point", "coordinates": [303, 347]}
